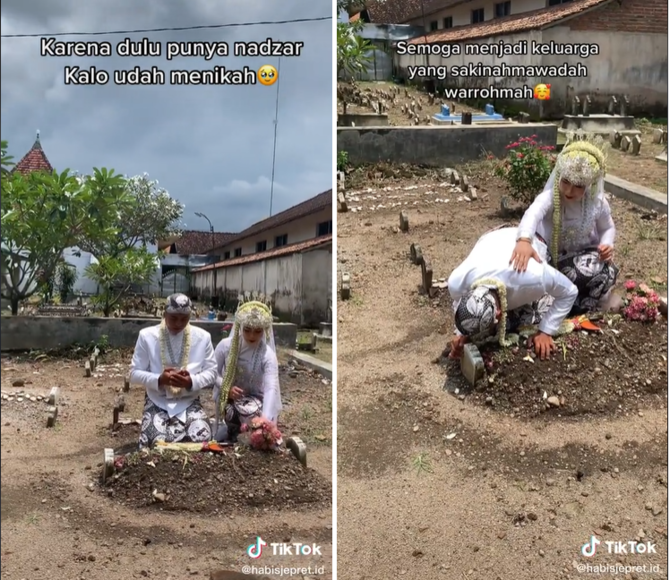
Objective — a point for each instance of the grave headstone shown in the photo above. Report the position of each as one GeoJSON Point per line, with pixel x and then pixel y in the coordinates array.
{"type": "Point", "coordinates": [658, 136]}
{"type": "Point", "coordinates": [524, 118]}
{"type": "Point", "coordinates": [87, 368]}
{"type": "Point", "coordinates": [107, 464]}
{"type": "Point", "coordinates": [92, 362]}
{"type": "Point", "coordinates": [404, 222]}
{"type": "Point", "coordinates": [472, 364]}
{"type": "Point", "coordinates": [54, 396]}
{"type": "Point", "coordinates": [635, 145]}
{"type": "Point", "coordinates": [415, 254]}
{"type": "Point", "coordinates": [615, 139]}
{"type": "Point", "coordinates": [473, 193]}
{"type": "Point", "coordinates": [624, 106]}
{"type": "Point", "coordinates": [664, 139]}
{"type": "Point", "coordinates": [587, 106]}
{"type": "Point", "coordinates": [126, 384]}
{"type": "Point", "coordinates": [342, 203]}
{"type": "Point", "coordinates": [455, 178]}
{"type": "Point", "coordinates": [465, 184]}
{"type": "Point", "coordinates": [575, 105]}
{"type": "Point", "coordinates": [625, 143]}
{"type": "Point", "coordinates": [612, 106]}
{"type": "Point", "coordinates": [52, 415]}
{"type": "Point", "coordinates": [345, 286]}
{"type": "Point", "coordinates": [426, 275]}
{"type": "Point", "coordinates": [298, 448]}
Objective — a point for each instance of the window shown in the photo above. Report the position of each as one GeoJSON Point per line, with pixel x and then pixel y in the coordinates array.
{"type": "Point", "coordinates": [226, 255]}
{"type": "Point", "coordinates": [448, 22]}
{"type": "Point", "coordinates": [238, 252]}
{"type": "Point", "coordinates": [557, 2]}
{"type": "Point", "coordinates": [281, 240]}
{"type": "Point", "coordinates": [478, 16]}
{"type": "Point", "coordinates": [503, 9]}
{"type": "Point", "coordinates": [324, 228]}
{"type": "Point", "coordinates": [261, 246]}
{"type": "Point", "coordinates": [433, 25]}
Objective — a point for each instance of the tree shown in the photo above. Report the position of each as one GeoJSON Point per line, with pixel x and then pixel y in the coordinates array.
{"type": "Point", "coordinates": [123, 260]}
{"type": "Point", "coordinates": [45, 213]}
{"type": "Point", "coordinates": [7, 160]}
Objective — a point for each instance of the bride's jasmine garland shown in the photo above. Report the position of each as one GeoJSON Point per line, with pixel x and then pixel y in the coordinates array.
{"type": "Point", "coordinates": [167, 356]}
{"type": "Point", "coordinates": [502, 297]}
{"type": "Point", "coordinates": [582, 162]}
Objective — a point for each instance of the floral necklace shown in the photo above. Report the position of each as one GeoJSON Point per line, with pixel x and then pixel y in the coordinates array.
{"type": "Point", "coordinates": [502, 296]}
{"type": "Point", "coordinates": [167, 355]}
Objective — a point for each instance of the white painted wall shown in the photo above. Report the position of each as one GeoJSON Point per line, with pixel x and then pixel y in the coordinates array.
{"type": "Point", "coordinates": [299, 230]}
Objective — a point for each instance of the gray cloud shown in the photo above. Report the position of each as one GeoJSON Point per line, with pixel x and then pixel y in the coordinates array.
{"type": "Point", "coordinates": [209, 146]}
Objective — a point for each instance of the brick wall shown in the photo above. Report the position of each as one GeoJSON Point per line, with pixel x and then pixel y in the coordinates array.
{"type": "Point", "coordinates": [644, 16]}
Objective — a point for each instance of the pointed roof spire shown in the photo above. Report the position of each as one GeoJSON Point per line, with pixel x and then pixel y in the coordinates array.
{"type": "Point", "coordinates": [34, 160]}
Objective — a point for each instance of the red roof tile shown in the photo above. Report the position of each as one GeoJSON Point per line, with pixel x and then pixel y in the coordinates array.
{"type": "Point", "coordinates": [272, 253]}
{"type": "Point", "coordinates": [532, 20]}
{"type": "Point", "coordinates": [34, 160]}
{"type": "Point", "coordinates": [315, 204]}
{"type": "Point", "coordinates": [392, 11]}
{"type": "Point", "coordinates": [194, 243]}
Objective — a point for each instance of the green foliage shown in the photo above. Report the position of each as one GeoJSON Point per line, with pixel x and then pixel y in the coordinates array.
{"type": "Point", "coordinates": [66, 276]}
{"type": "Point", "coordinates": [526, 168]}
{"type": "Point", "coordinates": [7, 160]}
{"type": "Point", "coordinates": [45, 213]}
{"type": "Point", "coordinates": [116, 274]}
{"type": "Point", "coordinates": [342, 160]}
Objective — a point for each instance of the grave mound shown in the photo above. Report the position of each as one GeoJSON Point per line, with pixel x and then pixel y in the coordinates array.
{"type": "Point", "coordinates": [208, 483]}
{"type": "Point", "coordinates": [620, 371]}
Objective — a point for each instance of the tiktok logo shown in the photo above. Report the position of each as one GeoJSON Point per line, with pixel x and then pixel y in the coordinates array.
{"type": "Point", "coordinates": [588, 549]}
{"type": "Point", "coordinates": [256, 550]}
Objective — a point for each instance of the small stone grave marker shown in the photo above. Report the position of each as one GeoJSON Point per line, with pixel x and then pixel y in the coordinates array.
{"type": "Point", "coordinates": [87, 368]}
{"type": "Point", "coordinates": [342, 203]}
{"type": "Point", "coordinates": [615, 139]}
{"type": "Point", "coordinates": [465, 184]}
{"type": "Point", "coordinates": [52, 415]}
{"type": "Point", "coordinates": [426, 275]}
{"type": "Point", "coordinates": [107, 464]}
{"type": "Point", "coordinates": [625, 143]}
{"type": "Point", "coordinates": [524, 118]}
{"type": "Point", "coordinates": [658, 136]}
{"type": "Point", "coordinates": [575, 106]}
{"type": "Point", "coordinates": [54, 396]}
{"type": "Point", "coordinates": [472, 364]}
{"type": "Point", "coordinates": [345, 286]}
{"type": "Point", "coordinates": [415, 254]}
{"type": "Point", "coordinates": [126, 384]}
{"type": "Point", "coordinates": [636, 144]}
{"type": "Point", "coordinates": [473, 193]}
{"type": "Point", "coordinates": [92, 363]}
{"type": "Point", "coordinates": [404, 222]}
{"type": "Point", "coordinates": [455, 178]}
{"type": "Point", "coordinates": [298, 448]}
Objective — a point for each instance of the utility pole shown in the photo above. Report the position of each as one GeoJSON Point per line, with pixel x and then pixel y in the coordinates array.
{"type": "Point", "coordinates": [213, 243]}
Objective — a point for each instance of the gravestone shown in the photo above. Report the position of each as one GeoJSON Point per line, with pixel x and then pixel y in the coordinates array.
{"type": "Point", "coordinates": [524, 118]}
{"type": "Point", "coordinates": [658, 136]}
{"type": "Point", "coordinates": [342, 203]}
{"type": "Point", "coordinates": [611, 105]}
{"type": "Point", "coordinates": [472, 364]}
{"type": "Point", "coordinates": [636, 144]}
{"type": "Point", "coordinates": [52, 415]}
{"type": "Point", "coordinates": [455, 178]}
{"type": "Point", "coordinates": [426, 275]}
{"type": "Point", "coordinates": [625, 143]}
{"type": "Point", "coordinates": [415, 254]}
{"type": "Point", "coordinates": [473, 193]}
{"type": "Point", "coordinates": [345, 286]}
{"type": "Point", "coordinates": [624, 105]}
{"type": "Point", "coordinates": [54, 396]}
{"type": "Point", "coordinates": [107, 464]}
{"type": "Point", "coordinates": [404, 222]}
{"type": "Point", "coordinates": [298, 448]}
{"type": "Point", "coordinates": [126, 384]}
{"type": "Point", "coordinates": [87, 368]}
{"type": "Point", "coordinates": [465, 184]}
{"type": "Point", "coordinates": [587, 106]}
{"type": "Point", "coordinates": [575, 106]}
{"type": "Point", "coordinates": [615, 139]}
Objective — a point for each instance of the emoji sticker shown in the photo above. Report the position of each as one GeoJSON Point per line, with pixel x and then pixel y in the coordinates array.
{"type": "Point", "coordinates": [267, 75]}
{"type": "Point", "coordinates": [542, 92]}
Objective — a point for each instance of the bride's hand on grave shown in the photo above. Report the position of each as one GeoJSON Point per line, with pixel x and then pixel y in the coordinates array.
{"type": "Point", "coordinates": [544, 345]}
{"type": "Point", "coordinates": [605, 253]}
{"type": "Point", "coordinates": [235, 394]}
{"type": "Point", "coordinates": [523, 252]}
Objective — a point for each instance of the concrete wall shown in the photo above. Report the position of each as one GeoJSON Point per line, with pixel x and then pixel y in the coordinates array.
{"type": "Point", "coordinates": [317, 286]}
{"type": "Point", "coordinates": [299, 230]}
{"type": "Point", "coordinates": [50, 332]}
{"type": "Point", "coordinates": [437, 146]}
{"type": "Point", "coordinates": [462, 15]}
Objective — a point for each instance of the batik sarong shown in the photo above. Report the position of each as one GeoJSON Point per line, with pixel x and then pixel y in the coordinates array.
{"type": "Point", "coordinates": [157, 425]}
{"type": "Point", "coordinates": [593, 278]}
{"type": "Point", "coordinates": [241, 412]}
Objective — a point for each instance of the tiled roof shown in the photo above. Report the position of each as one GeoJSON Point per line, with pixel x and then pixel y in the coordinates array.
{"type": "Point", "coordinates": [315, 204]}
{"type": "Point", "coordinates": [34, 160]}
{"type": "Point", "coordinates": [532, 20]}
{"type": "Point", "coordinates": [194, 243]}
{"type": "Point", "coordinates": [392, 11]}
{"type": "Point", "coordinates": [272, 253]}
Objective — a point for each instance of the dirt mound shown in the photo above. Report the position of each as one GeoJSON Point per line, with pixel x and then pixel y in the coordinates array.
{"type": "Point", "coordinates": [214, 483]}
{"type": "Point", "coordinates": [619, 371]}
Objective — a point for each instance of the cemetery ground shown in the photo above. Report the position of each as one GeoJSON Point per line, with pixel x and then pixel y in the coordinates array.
{"type": "Point", "coordinates": [170, 516]}
{"type": "Point", "coordinates": [493, 484]}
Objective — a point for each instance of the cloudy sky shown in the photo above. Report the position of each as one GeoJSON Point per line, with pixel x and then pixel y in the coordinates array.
{"type": "Point", "coordinates": [209, 146]}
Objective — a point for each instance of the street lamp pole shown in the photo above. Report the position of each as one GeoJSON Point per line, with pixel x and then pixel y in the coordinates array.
{"type": "Point", "coordinates": [211, 231]}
